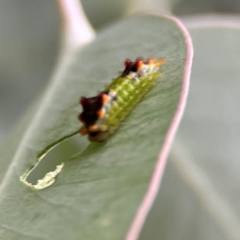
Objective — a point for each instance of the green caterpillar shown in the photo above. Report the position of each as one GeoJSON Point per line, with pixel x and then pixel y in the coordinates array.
{"type": "Point", "coordinates": [103, 114]}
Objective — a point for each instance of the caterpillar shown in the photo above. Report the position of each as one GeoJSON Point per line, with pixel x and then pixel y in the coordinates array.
{"type": "Point", "coordinates": [101, 115]}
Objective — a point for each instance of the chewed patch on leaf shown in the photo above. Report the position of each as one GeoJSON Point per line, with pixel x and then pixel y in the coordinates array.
{"type": "Point", "coordinates": [48, 179]}
{"type": "Point", "coordinates": [103, 113]}
{"type": "Point", "coordinates": [50, 161]}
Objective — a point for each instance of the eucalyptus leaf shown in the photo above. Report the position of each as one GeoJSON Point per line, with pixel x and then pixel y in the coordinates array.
{"type": "Point", "coordinates": [97, 194]}
{"type": "Point", "coordinates": [199, 198]}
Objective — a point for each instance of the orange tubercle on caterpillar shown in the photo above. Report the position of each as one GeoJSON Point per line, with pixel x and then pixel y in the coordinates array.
{"type": "Point", "coordinates": [105, 98]}
{"type": "Point", "coordinates": [83, 130]}
{"type": "Point", "coordinates": [139, 64]}
{"type": "Point", "coordinates": [101, 113]}
{"type": "Point", "coordinates": [159, 62]}
{"type": "Point", "coordinates": [93, 128]}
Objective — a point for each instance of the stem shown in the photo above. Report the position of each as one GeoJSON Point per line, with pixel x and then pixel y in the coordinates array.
{"type": "Point", "coordinates": [76, 28]}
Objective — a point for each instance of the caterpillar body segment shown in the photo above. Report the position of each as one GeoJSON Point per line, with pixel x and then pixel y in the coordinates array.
{"type": "Point", "coordinates": [102, 114]}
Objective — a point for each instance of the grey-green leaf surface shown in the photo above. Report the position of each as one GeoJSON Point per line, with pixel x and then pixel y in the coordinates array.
{"type": "Point", "coordinates": [199, 197]}
{"type": "Point", "coordinates": [98, 193]}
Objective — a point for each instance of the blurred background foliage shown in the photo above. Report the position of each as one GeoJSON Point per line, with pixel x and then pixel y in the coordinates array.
{"type": "Point", "coordinates": [28, 44]}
